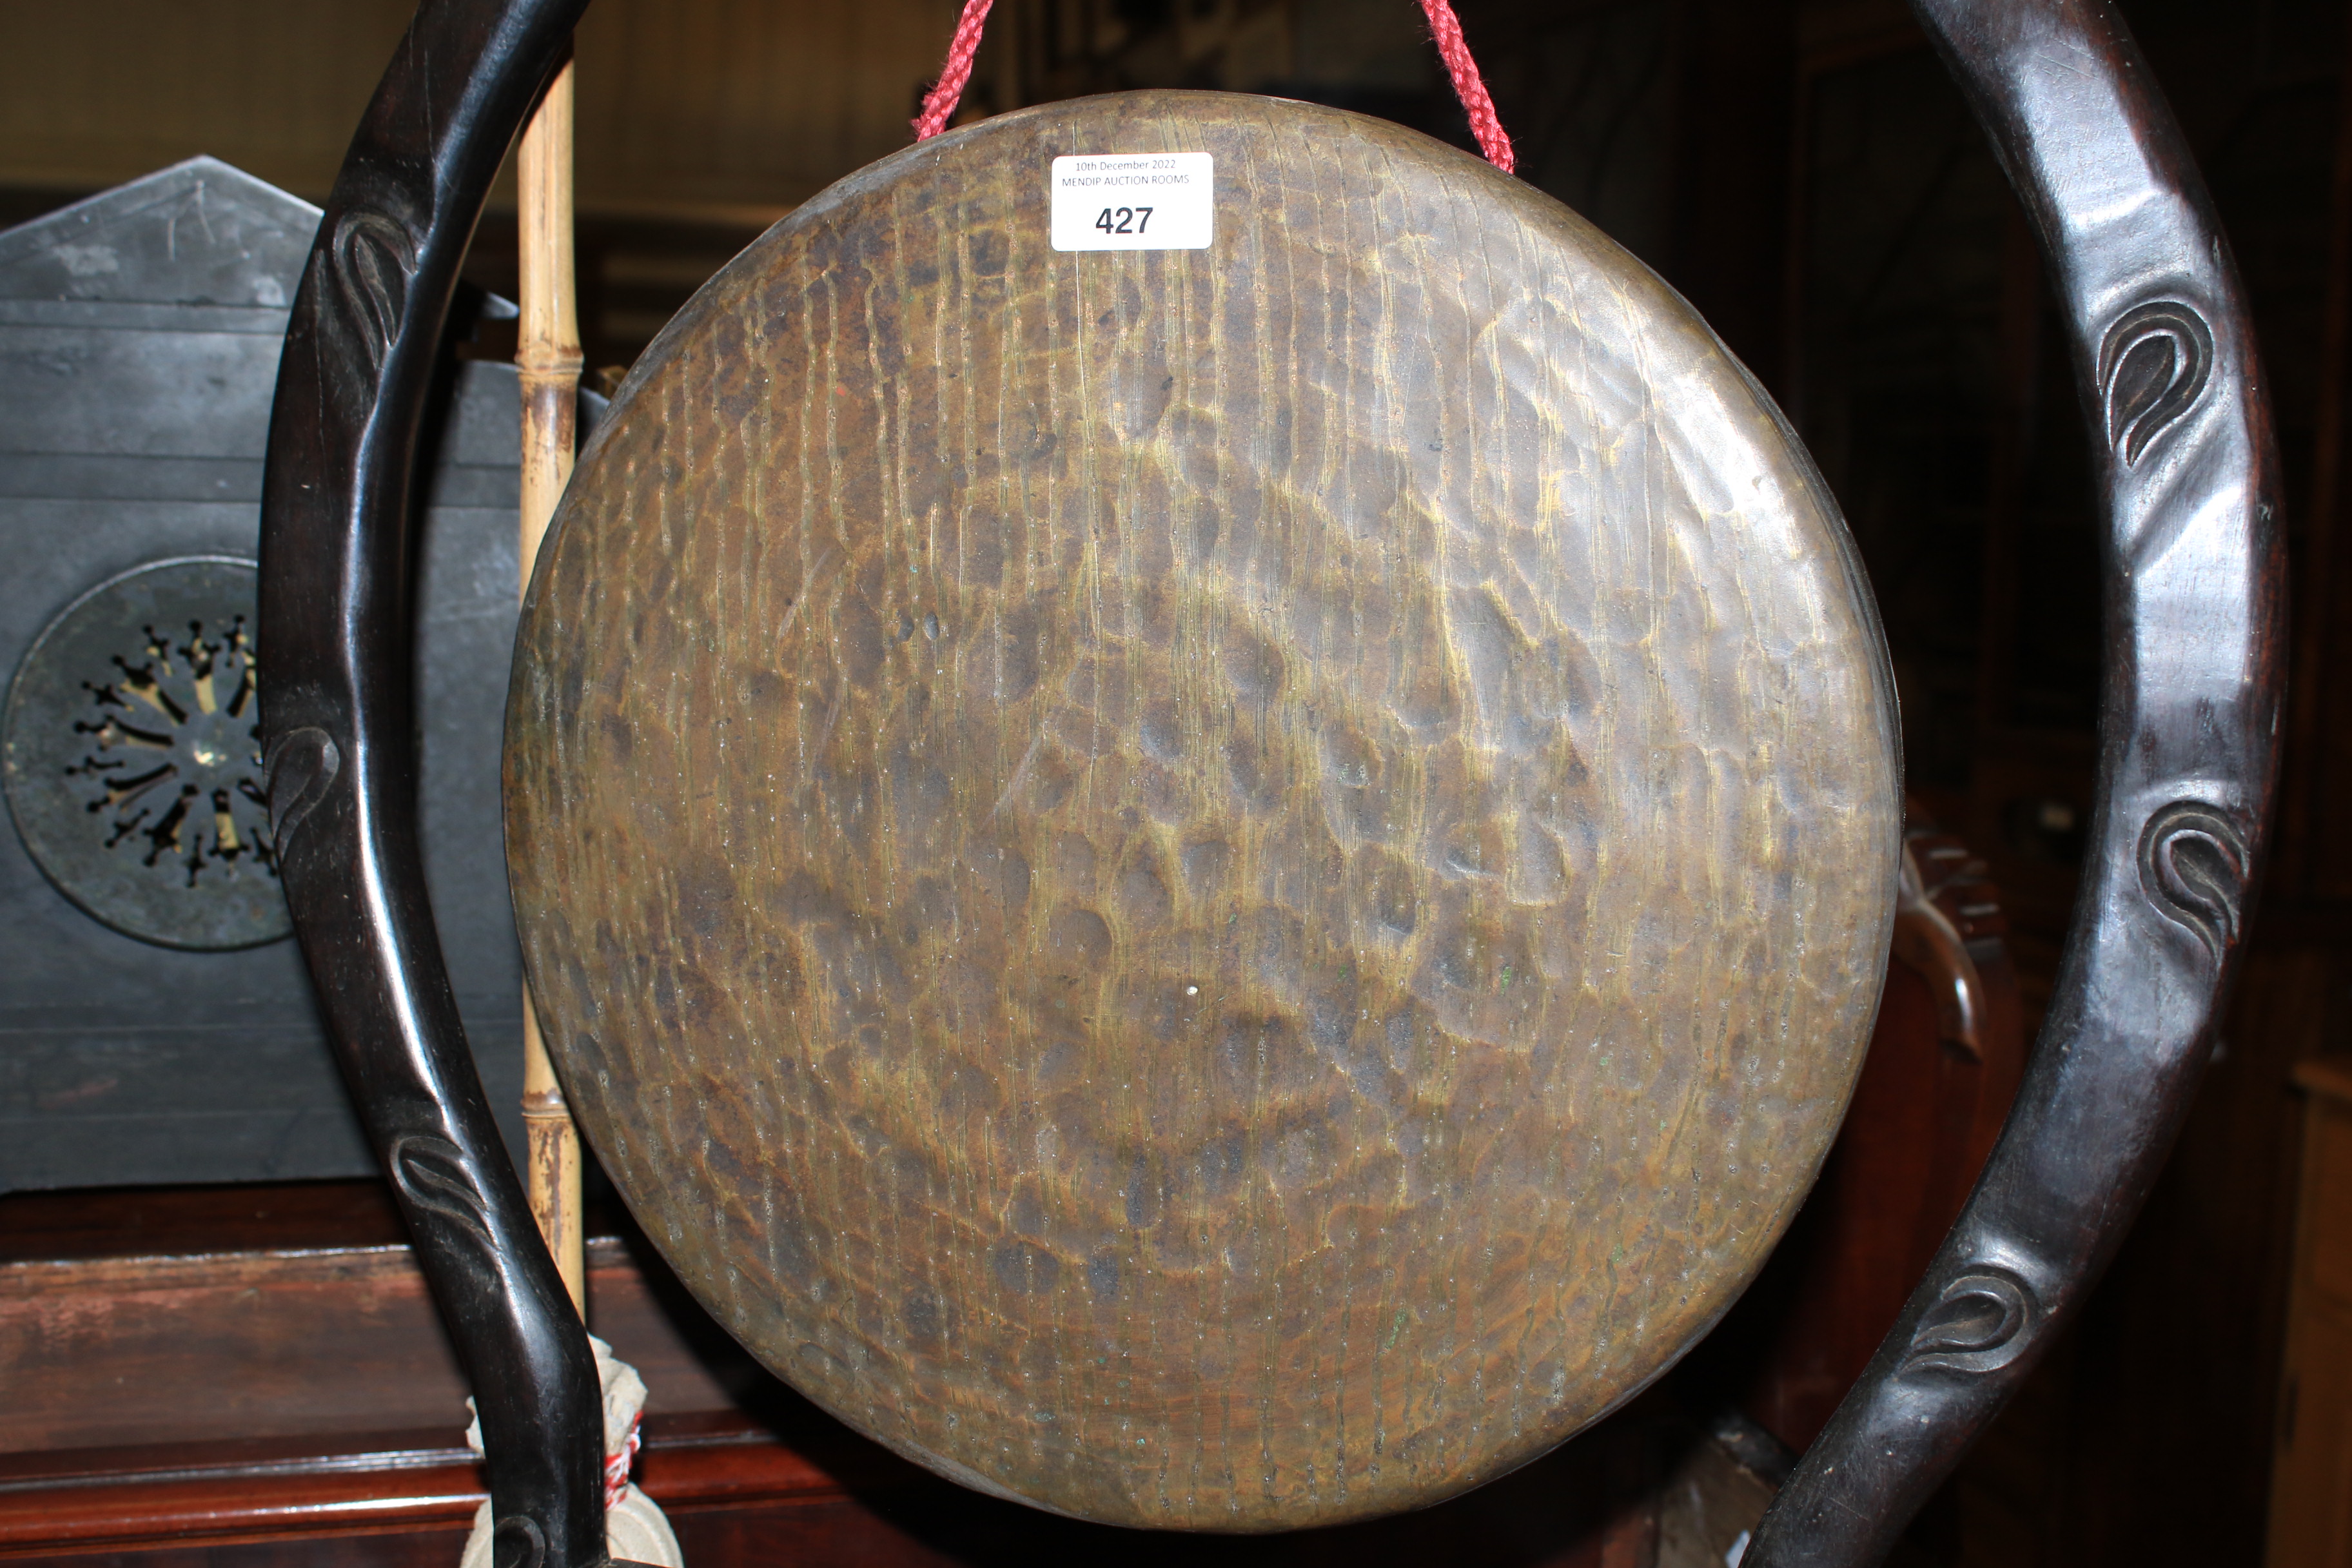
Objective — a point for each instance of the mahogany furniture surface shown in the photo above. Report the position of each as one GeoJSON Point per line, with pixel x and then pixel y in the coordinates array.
{"type": "Point", "coordinates": [267, 1314]}
{"type": "Point", "coordinates": [247, 1376]}
{"type": "Point", "coordinates": [1228, 889]}
{"type": "Point", "coordinates": [257, 1375]}
{"type": "Point", "coordinates": [2311, 1486]}
{"type": "Point", "coordinates": [2186, 470]}
{"type": "Point", "coordinates": [735, 1492]}
{"type": "Point", "coordinates": [256, 1371]}
{"type": "Point", "coordinates": [739, 1498]}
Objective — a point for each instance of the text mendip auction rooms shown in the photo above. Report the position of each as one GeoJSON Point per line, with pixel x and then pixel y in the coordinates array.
{"type": "Point", "coordinates": [1082, 177]}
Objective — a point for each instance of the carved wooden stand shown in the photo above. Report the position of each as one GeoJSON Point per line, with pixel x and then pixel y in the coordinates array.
{"type": "Point", "coordinates": [2164, 356]}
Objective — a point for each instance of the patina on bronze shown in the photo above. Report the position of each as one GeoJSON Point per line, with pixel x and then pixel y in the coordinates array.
{"type": "Point", "coordinates": [1227, 888]}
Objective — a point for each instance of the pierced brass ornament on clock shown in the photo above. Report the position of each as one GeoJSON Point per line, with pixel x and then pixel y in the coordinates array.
{"type": "Point", "coordinates": [130, 751]}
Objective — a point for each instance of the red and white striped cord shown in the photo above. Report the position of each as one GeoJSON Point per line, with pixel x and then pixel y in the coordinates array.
{"type": "Point", "coordinates": [1445, 27]}
{"type": "Point", "coordinates": [616, 1467]}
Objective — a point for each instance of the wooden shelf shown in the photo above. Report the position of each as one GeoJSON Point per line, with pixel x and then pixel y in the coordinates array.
{"type": "Point", "coordinates": [230, 1375]}
{"type": "Point", "coordinates": [382, 1484]}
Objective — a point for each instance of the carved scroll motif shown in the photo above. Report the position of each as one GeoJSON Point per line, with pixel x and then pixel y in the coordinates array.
{"type": "Point", "coordinates": [2193, 864]}
{"type": "Point", "coordinates": [1982, 1323]}
{"type": "Point", "coordinates": [431, 1173]}
{"type": "Point", "coordinates": [2153, 365]}
{"type": "Point", "coordinates": [300, 768]}
{"type": "Point", "coordinates": [516, 1543]}
{"type": "Point", "coordinates": [373, 262]}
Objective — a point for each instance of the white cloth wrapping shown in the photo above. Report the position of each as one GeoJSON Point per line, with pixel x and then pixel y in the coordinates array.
{"type": "Point", "coordinates": [635, 1530]}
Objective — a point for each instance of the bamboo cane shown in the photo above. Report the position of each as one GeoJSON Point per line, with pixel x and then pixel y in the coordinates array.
{"type": "Point", "coordinates": [547, 356]}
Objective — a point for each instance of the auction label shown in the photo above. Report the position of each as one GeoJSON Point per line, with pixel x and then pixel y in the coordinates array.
{"type": "Point", "coordinates": [1134, 201]}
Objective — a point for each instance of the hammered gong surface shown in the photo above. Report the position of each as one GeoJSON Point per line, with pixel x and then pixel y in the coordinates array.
{"type": "Point", "coordinates": [1226, 888]}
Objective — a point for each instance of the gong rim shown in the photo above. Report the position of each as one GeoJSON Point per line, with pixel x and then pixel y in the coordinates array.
{"type": "Point", "coordinates": [551, 730]}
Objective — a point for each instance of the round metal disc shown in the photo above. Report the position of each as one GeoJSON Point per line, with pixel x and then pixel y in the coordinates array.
{"type": "Point", "coordinates": [1226, 888]}
{"type": "Point", "coordinates": [131, 758]}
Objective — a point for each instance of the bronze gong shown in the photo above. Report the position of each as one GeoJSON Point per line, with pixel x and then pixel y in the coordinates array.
{"type": "Point", "coordinates": [1226, 888]}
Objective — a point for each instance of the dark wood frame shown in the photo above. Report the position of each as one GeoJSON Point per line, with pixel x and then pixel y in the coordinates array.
{"type": "Point", "coordinates": [2195, 631]}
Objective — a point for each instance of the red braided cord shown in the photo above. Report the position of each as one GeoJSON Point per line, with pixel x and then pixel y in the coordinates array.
{"type": "Point", "coordinates": [616, 1465]}
{"type": "Point", "coordinates": [940, 103]}
{"type": "Point", "coordinates": [1468, 86]}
